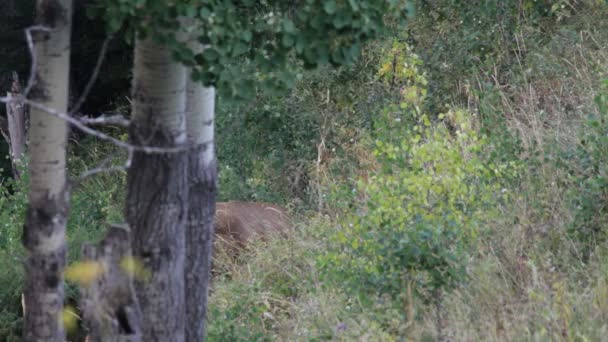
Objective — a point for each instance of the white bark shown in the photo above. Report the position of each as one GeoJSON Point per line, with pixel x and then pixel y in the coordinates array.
{"type": "Point", "coordinates": [44, 230]}
{"type": "Point", "coordinates": [159, 85]}
{"type": "Point", "coordinates": [200, 116]}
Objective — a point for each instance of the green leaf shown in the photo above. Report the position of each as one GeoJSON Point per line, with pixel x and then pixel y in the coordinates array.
{"type": "Point", "coordinates": [287, 41]}
{"type": "Point", "coordinates": [204, 13]}
{"type": "Point", "coordinates": [330, 6]}
{"type": "Point", "coordinates": [246, 35]}
{"type": "Point", "coordinates": [410, 7]}
{"type": "Point", "coordinates": [210, 54]}
{"type": "Point", "coordinates": [114, 24]}
{"type": "Point", "coordinates": [341, 20]}
{"type": "Point", "coordinates": [239, 49]}
{"type": "Point", "coordinates": [289, 26]}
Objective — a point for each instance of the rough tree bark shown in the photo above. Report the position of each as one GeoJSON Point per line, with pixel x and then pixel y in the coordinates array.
{"type": "Point", "coordinates": [15, 113]}
{"type": "Point", "coordinates": [109, 305]}
{"type": "Point", "coordinates": [46, 216]}
{"type": "Point", "coordinates": [157, 193]}
{"type": "Point", "coordinates": [202, 184]}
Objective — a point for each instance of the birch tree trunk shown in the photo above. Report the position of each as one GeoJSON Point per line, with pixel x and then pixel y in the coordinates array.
{"type": "Point", "coordinates": [157, 193]}
{"type": "Point", "coordinates": [46, 216]}
{"type": "Point", "coordinates": [202, 184]}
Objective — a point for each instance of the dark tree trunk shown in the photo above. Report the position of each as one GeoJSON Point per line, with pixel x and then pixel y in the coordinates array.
{"type": "Point", "coordinates": [156, 211]}
{"type": "Point", "coordinates": [157, 191]}
{"type": "Point", "coordinates": [202, 185]}
{"type": "Point", "coordinates": [199, 240]}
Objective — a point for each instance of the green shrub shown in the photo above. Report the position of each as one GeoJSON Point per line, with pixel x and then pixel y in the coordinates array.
{"type": "Point", "coordinates": [458, 40]}
{"type": "Point", "coordinates": [587, 165]}
{"type": "Point", "coordinates": [417, 216]}
{"type": "Point", "coordinates": [13, 201]}
{"type": "Point", "coordinates": [268, 150]}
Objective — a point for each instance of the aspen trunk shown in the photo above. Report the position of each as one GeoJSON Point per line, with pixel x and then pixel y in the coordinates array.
{"type": "Point", "coordinates": [157, 193]}
{"type": "Point", "coordinates": [202, 184]}
{"type": "Point", "coordinates": [46, 216]}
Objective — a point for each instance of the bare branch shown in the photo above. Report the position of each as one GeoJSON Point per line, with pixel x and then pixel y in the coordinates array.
{"type": "Point", "coordinates": [103, 169]}
{"type": "Point", "coordinates": [98, 170]}
{"type": "Point", "coordinates": [112, 119]}
{"type": "Point", "coordinates": [84, 128]}
{"type": "Point", "coordinates": [93, 78]}
{"type": "Point", "coordinates": [83, 122]}
{"type": "Point", "coordinates": [30, 45]}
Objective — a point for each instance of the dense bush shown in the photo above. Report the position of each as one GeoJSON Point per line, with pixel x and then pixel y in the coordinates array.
{"type": "Point", "coordinates": [292, 138]}
{"type": "Point", "coordinates": [415, 218]}
{"type": "Point", "coordinates": [459, 40]}
{"type": "Point", "coordinates": [12, 212]}
{"type": "Point", "coordinates": [587, 164]}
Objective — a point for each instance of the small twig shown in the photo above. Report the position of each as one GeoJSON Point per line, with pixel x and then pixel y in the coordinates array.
{"type": "Point", "coordinates": [102, 168]}
{"type": "Point", "coordinates": [113, 119]}
{"type": "Point", "coordinates": [93, 78]}
{"type": "Point", "coordinates": [30, 46]}
{"type": "Point", "coordinates": [99, 170]}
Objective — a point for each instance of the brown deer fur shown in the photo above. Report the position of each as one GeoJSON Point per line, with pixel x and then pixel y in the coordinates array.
{"type": "Point", "coordinates": [237, 223]}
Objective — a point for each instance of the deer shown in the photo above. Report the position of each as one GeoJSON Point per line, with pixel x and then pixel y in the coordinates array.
{"type": "Point", "coordinates": [238, 223]}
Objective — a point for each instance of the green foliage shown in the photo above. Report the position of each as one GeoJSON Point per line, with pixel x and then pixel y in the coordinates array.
{"type": "Point", "coordinates": [588, 173]}
{"type": "Point", "coordinates": [506, 144]}
{"type": "Point", "coordinates": [420, 188]}
{"type": "Point", "coordinates": [459, 39]}
{"type": "Point", "coordinates": [227, 324]}
{"type": "Point", "coordinates": [252, 44]}
{"type": "Point", "coordinates": [274, 136]}
{"type": "Point", "coordinates": [421, 210]}
{"type": "Point", "coordinates": [249, 299]}
{"type": "Point", "coordinates": [525, 283]}
{"type": "Point", "coordinates": [94, 203]}
{"type": "Point", "coordinates": [12, 212]}
{"type": "Point", "coordinates": [268, 149]}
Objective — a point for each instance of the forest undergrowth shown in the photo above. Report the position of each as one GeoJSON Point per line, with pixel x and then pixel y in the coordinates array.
{"type": "Point", "coordinates": [451, 185]}
{"type": "Point", "coordinates": [508, 242]}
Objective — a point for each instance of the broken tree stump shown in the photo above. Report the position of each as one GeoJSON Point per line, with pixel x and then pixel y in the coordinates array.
{"type": "Point", "coordinates": [109, 304]}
